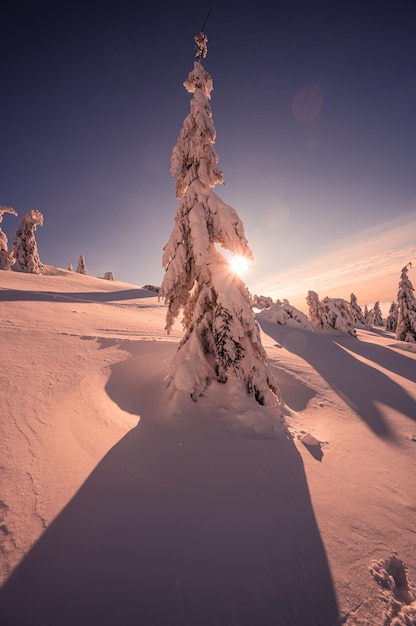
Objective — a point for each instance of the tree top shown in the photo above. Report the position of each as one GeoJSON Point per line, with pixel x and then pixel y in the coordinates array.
{"type": "Point", "coordinates": [201, 46]}
{"type": "Point", "coordinates": [201, 41]}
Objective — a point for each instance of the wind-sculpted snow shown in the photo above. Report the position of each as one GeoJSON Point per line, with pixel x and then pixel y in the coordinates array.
{"type": "Point", "coordinates": [124, 504]}
{"type": "Point", "coordinates": [284, 313]}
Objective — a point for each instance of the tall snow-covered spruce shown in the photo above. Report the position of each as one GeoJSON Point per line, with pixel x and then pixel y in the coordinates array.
{"type": "Point", "coordinates": [406, 308]}
{"type": "Point", "coordinates": [222, 340]}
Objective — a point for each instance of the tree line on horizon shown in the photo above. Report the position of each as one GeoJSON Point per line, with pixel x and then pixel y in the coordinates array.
{"type": "Point", "coordinates": [330, 313]}
{"type": "Point", "coordinates": [348, 316]}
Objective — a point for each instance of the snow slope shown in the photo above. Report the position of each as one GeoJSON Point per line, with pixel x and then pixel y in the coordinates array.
{"type": "Point", "coordinates": [120, 505]}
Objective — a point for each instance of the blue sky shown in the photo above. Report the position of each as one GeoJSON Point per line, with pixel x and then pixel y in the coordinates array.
{"type": "Point", "coordinates": [315, 110]}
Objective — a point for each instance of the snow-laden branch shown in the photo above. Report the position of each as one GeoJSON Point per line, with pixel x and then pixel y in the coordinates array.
{"type": "Point", "coordinates": [221, 336]}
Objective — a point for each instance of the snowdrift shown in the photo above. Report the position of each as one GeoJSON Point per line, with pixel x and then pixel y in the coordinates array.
{"type": "Point", "coordinates": [123, 505]}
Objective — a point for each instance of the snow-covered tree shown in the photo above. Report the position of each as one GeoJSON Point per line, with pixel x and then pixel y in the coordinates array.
{"type": "Point", "coordinates": [369, 316]}
{"type": "Point", "coordinates": [284, 314]}
{"type": "Point", "coordinates": [70, 268]}
{"type": "Point", "coordinates": [357, 313]}
{"type": "Point", "coordinates": [261, 302]}
{"type": "Point", "coordinates": [315, 310]}
{"type": "Point", "coordinates": [222, 339]}
{"type": "Point", "coordinates": [109, 276]}
{"type": "Point", "coordinates": [406, 308]}
{"type": "Point", "coordinates": [330, 313]}
{"type": "Point", "coordinates": [6, 256]}
{"type": "Point", "coordinates": [25, 248]}
{"type": "Point", "coordinates": [81, 268]}
{"type": "Point", "coordinates": [391, 320]}
{"type": "Point", "coordinates": [152, 288]}
{"type": "Point", "coordinates": [378, 316]}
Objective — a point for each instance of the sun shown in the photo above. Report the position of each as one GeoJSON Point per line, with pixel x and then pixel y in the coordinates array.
{"type": "Point", "coordinates": [239, 265]}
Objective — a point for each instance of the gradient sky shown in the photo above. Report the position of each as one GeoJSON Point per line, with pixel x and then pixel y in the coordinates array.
{"type": "Point", "coordinates": [314, 104]}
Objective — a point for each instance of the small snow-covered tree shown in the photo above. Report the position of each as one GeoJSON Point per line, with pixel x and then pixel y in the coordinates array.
{"type": "Point", "coordinates": [378, 316]}
{"type": "Point", "coordinates": [330, 313]}
{"type": "Point", "coordinates": [70, 268]}
{"type": "Point", "coordinates": [406, 308]}
{"type": "Point", "coordinates": [316, 310]}
{"type": "Point", "coordinates": [81, 268]}
{"type": "Point", "coordinates": [261, 302]}
{"type": "Point", "coordinates": [369, 316]}
{"type": "Point", "coordinates": [6, 256]}
{"type": "Point", "coordinates": [25, 248]}
{"type": "Point", "coordinates": [109, 276]}
{"type": "Point", "coordinates": [221, 339]}
{"type": "Point", "coordinates": [284, 313]}
{"type": "Point", "coordinates": [391, 320]}
{"type": "Point", "coordinates": [152, 288]}
{"type": "Point", "coordinates": [357, 313]}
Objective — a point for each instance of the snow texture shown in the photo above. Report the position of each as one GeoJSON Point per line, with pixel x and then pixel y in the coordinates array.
{"type": "Point", "coordinates": [122, 504]}
{"type": "Point", "coordinates": [284, 313]}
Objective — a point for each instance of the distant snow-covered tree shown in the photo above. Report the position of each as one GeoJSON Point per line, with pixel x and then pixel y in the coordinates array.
{"type": "Point", "coordinates": [284, 314]}
{"type": "Point", "coordinates": [152, 288]}
{"type": "Point", "coordinates": [70, 269]}
{"type": "Point", "coordinates": [6, 256]}
{"type": "Point", "coordinates": [221, 339]}
{"type": "Point", "coordinates": [316, 310]}
{"type": "Point", "coordinates": [330, 313]}
{"type": "Point", "coordinates": [406, 308]}
{"type": "Point", "coordinates": [357, 313]}
{"type": "Point", "coordinates": [109, 276]}
{"type": "Point", "coordinates": [378, 316]}
{"type": "Point", "coordinates": [261, 302]}
{"type": "Point", "coordinates": [81, 267]}
{"type": "Point", "coordinates": [369, 316]}
{"type": "Point", "coordinates": [25, 248]}
{"type": "Point", "coordinates": [339, 315]}
{"type": "Point", "coordinates": [391, 320]}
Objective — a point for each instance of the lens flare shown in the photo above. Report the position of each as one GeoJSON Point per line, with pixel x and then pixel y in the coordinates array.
{"type": "Point", "coordinates": [239, 265]}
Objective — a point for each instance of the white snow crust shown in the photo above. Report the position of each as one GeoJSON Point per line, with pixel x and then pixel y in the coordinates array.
{"type": "Point", "coordinates": [121, 503]}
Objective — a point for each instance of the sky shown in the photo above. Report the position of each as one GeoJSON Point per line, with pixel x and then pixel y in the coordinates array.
{"type": "Point", "coordinates": [314, 105]}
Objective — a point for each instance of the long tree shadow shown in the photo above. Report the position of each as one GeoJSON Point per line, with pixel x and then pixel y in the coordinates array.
{"type": "Point", "coordinates": [358, 384]}
{"type": "Point", "coordinates": [11, 295]}
{"type": "Point", "coordinates": [184, 523]}
{"type": "Point", "coordinates": [400, 364]}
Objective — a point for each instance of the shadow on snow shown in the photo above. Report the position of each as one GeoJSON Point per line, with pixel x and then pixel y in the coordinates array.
{"type": "Point", "coordinates": [11, 295]}
{"type": "Point", "coordinates": [181, 523]}
{"type": "Point", "coordinates": [360, 385]}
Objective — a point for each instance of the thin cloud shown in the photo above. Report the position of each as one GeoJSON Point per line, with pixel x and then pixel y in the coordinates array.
{"type": "Point", "coordinates": [370, 262]}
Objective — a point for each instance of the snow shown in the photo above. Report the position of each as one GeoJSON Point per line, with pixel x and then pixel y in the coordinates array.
{"type": "Point", "coordinates": [122, 503]}
{"type": "Point", "coordinates": [285, 314]}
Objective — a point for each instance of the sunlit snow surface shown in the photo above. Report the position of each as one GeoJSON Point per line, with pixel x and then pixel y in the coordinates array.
{"type": "Point", "coordinates": [123, 504]}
